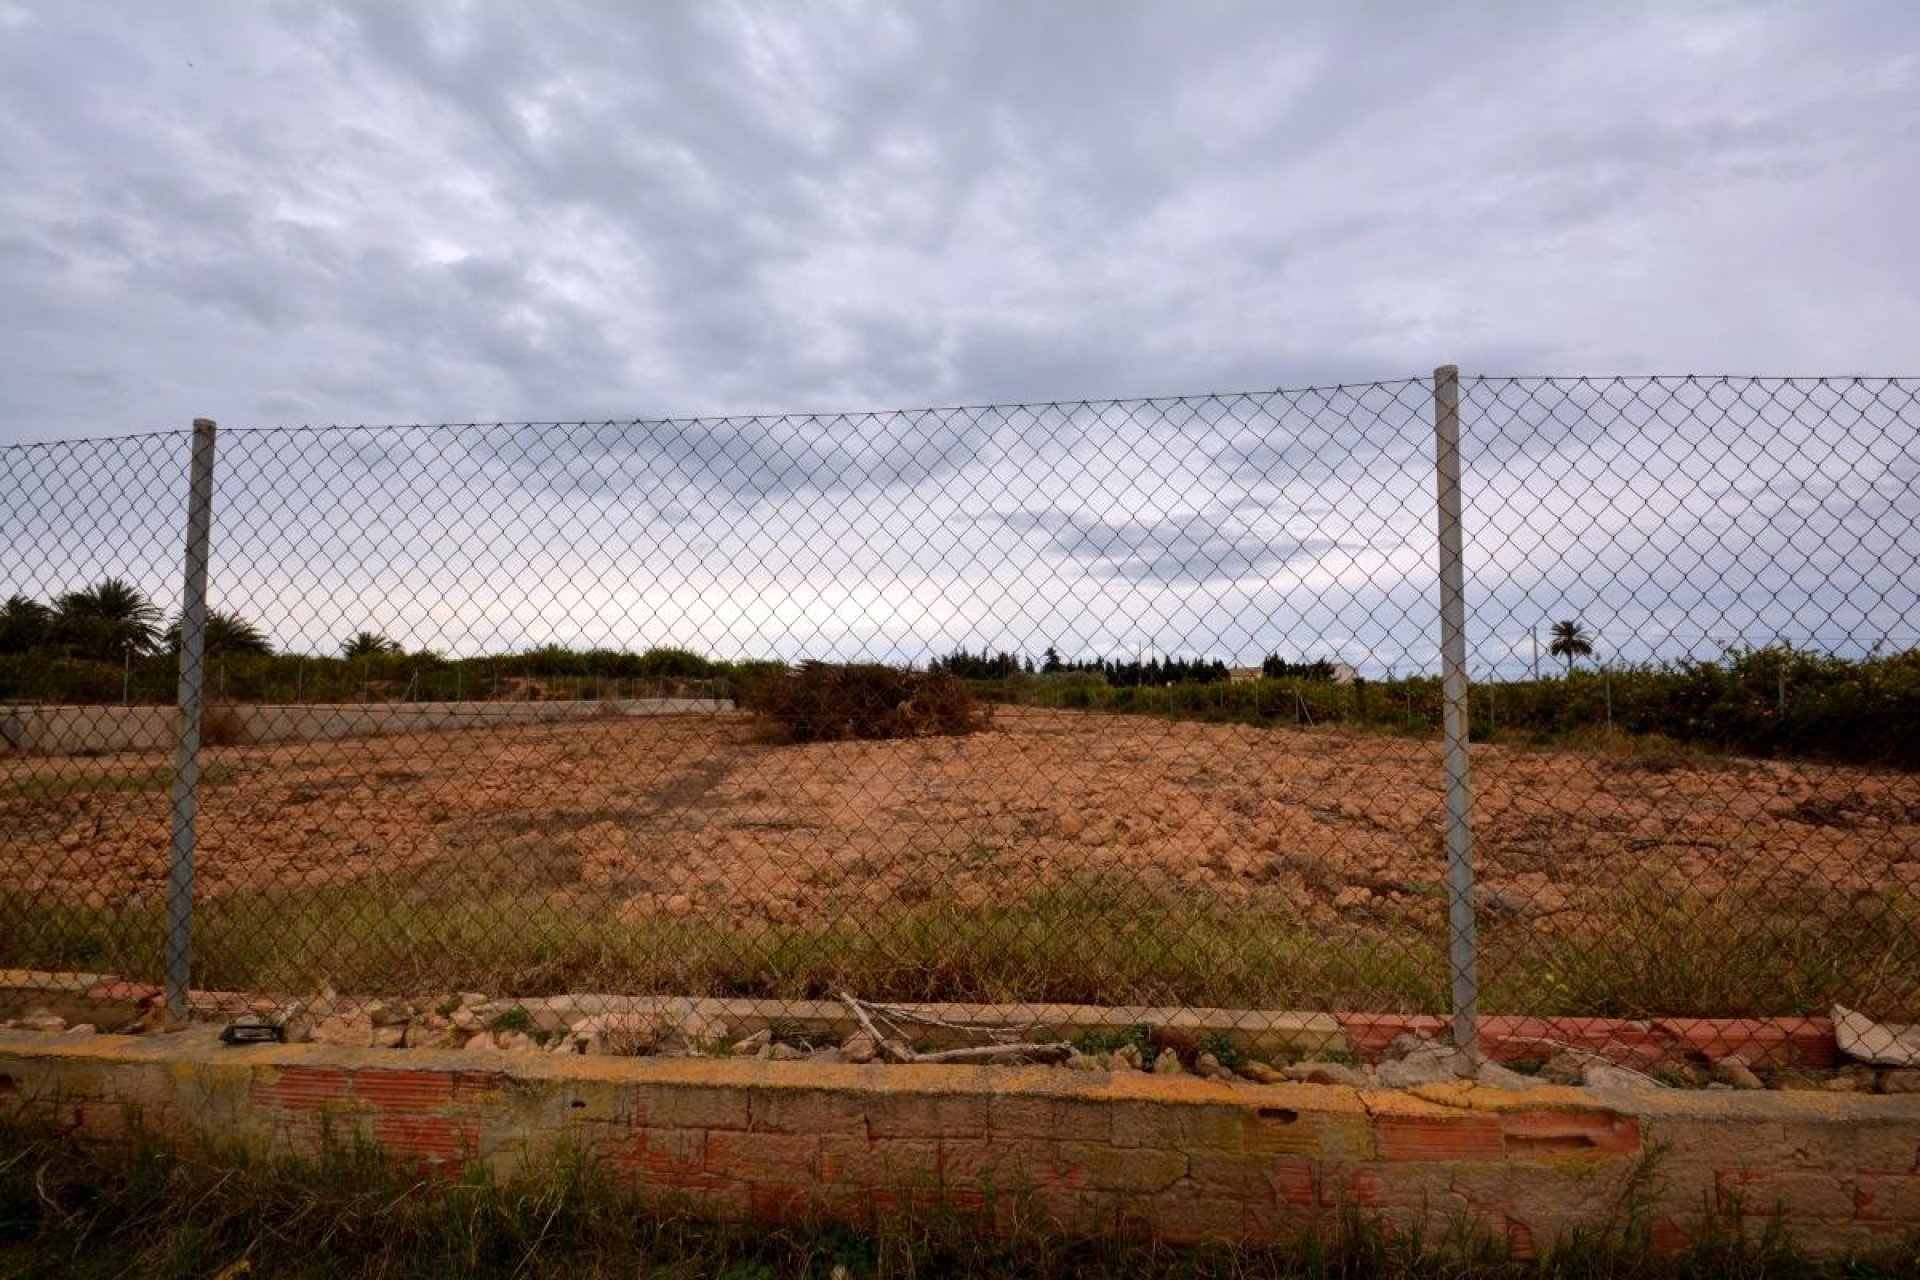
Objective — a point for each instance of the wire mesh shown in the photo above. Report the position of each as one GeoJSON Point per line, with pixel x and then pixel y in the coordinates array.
{"type": "Point", "coordinates": [1114, 703]}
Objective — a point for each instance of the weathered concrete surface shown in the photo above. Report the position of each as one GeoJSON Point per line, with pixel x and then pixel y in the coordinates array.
{"type": "Point", "coordinates": [93, 730]}
{"type": "Point", "coordinates": [1185, 1158]}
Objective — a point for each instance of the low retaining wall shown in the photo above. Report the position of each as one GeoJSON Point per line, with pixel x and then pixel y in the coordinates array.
{"type": "Point", "coordinates": [93, 730]}
{"type": "Point", "coordinates": [1183, 1158]}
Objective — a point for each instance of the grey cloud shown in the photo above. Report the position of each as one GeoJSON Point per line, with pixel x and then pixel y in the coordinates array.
{"type": "Point", "coordinates": [428, 212]}
{"type": "Point", "coordinates": [1193, 548]}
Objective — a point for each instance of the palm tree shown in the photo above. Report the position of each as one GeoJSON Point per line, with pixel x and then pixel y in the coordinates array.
{"type": "Point", "coordinates": [25, 624]}
{"type": "Point", "coordinates": [367, 644]}
{"type": "Point", "coordinates": [225, 633]}
{"type": "Point", "coordinates": [1570, 641]}
{"type": "Point", "coordinates": [107, 621]}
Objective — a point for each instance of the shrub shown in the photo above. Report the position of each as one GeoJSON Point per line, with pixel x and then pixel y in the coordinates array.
{"type": "Point", "coordinates": [823, 702]}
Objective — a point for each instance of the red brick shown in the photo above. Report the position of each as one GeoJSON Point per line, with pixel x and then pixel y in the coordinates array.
{"type": "Point", "coordinates": [662, 1151]}
{"type": "Point", "coordinates": [427, 1138]}
{"type": "Point", "coordinates": [778, 1201]}
{"type": "Point", "coordinates": [299, 1088]}
{"type": "Point", "coordinates": [1295, 1180]}
{"type": "Point", "coordinates": [1366, 1187]}
{"type": "Point", "coordinates": [1016, 1116]}
{"type": "Point", "coordinates": [989, 1161]}
{"type": "Point", "coordinates": [793, 1111]}
{"type": "Point", "coordinates": [762, 1157]}
{"type": "Point", "coordinates": [1515, 1039]}
{"type": "Point", "coordinates": [903, 1115]}
{"type": "Point", "coordinates": [1369, 1033]}
{"type": "Point", "coordinates": [1467, 1136]}
{"type": "Point", "coordinates": [1763, 1042]}
{"type": "Point", "coordinates": [1769, 1193]}
{"type": "Point", "coordinates": [865, 1162]}
{"type": "Point", "coordinates": [1557, 1133]}
{"type": "Point", "coordinates": [404, 1091]}
{"type": "Point", "coordinates": [1888, 1198]}
{"type": "Point", "coordinates": [671, 1106]}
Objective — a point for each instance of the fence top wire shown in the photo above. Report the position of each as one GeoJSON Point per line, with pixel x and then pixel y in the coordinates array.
{"type": "Point", "coordinates": [683, 421]}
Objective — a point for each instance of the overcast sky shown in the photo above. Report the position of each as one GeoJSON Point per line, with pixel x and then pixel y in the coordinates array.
{"type": "Point", "coordinates": [279, 214]}
{"type": "Point", "coordinates": [284, 213]}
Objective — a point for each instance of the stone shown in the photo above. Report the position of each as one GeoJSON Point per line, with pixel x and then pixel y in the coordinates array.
{"type": "Point", "coordinates": [1404, 1044]}
{"type": "Point", "coordinates": [481, 1040]}
{"type": "Point", "coordinates": [1208, 1066]}
{"type": "Point", "coordinates": [860, 1047]}
{"type": "Point", "coordinates": [1565, 1068]}
{"type": "Point", "coordinates": [1431, 1064]}
{"type": "Point", "coordinates": [1326, 1073]}
{"type": "Point", "coordinates": [1794, 1080]}
{"type": "Point", "coordinates": [514, 1041]}
{"type": "Point", "coordinates": [747, 1046]}
{"type": "Point", "coordinates": [1604, 1075]}
{"type": "Point", "coordinates": [390, 1037]}
{"type": "Point", "coordinates": [679, 905]}
{"type": "Point", "coordinates": [344, 1029]}
{"type": "Point", "coordinates": [82, 1029]}
{"type": "Point", "coordinates": [897, 1051]}
{"type": "Point", "coordinates": [388, 1013]}
{"type": "Point", "coordinates": [777, 1052]}
{"type": "Point", "coordinates": [1900, 1081]}
{"type": "Point", "coordinates": [465, 1018]}
{"type": "Point", "coordinates": [1352, 897]}
{"type": "Point", "coordinates": [548, 1020]}
{"type": "Point", "coordinates": [1495, 1076]}
{"type": "Point", "coordinates": [1856, 1078]}
{"type": "Point", "coordinates": [473, 1000]}
{"type": "Point", "coordinates": [41, 1020]}
{"type": "Point", "coordinates": [1734, 1071]}
{"type": "Point", "coordinates": [1168, 1064]}
{"type": "Point", "coordinates": [696, 1032]}
{"type": "Point", "coordinates": [621, 1035]}
{"type": "Point", "coordinates": [1261, 1073]}
{"type": "Point", "coordinates": [1077, 1061]}
{"type": "Point", "coordinates": [1127, 1057]}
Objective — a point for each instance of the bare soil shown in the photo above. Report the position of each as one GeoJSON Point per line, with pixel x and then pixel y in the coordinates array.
{"type": "Point", "coordinates": [691, 814]}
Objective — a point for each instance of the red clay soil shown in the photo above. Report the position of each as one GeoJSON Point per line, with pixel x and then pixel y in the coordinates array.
{"type": "Point", "coordinates": [686, 813]}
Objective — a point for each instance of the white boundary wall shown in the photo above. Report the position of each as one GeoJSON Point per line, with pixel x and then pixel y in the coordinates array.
{"type": "Point", "coordinates": [96, 730]}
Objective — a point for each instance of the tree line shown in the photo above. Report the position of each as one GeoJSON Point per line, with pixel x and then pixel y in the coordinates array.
{"type": "Point", "coordinates": [1121, 673]}
{"type": "Point", "coordinates": [112, 621]}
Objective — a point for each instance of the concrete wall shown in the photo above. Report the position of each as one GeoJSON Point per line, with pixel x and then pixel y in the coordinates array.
{"type": "Point", "coordinates": [1184, 1158]}
{"type": "Point", "coordinates": [96, 730]}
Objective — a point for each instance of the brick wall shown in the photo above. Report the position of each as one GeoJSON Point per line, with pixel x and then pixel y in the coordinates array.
{"type": "Point", "coordinates": [1187, 1159]}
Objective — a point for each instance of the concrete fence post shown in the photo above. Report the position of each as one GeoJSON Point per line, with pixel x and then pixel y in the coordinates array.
{"type": "Point", "coordinates": [193, 679]}
{"type": "Point", "coordinates": [1463, 943]}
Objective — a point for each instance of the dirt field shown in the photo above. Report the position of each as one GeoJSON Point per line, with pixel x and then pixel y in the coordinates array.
{"type": "Point", "coordinates": [693, 814]}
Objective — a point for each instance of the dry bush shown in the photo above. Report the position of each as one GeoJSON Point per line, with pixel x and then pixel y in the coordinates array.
{"type": "Point", "coordinates": [823, 702]}
{"type": "Point", "coordinates": [223, 726]}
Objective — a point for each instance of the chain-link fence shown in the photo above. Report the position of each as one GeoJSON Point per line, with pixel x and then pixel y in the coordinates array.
{"type": "Point", "coordinates": [1113, 703]}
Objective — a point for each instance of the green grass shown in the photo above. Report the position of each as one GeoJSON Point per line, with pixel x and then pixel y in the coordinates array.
{"type": "Point", "coordinates": [83, 781]}
{"type": "Point", "coordinates": [1659, 950]}
{"type": "Point", "coordinates": [69, 1209]}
